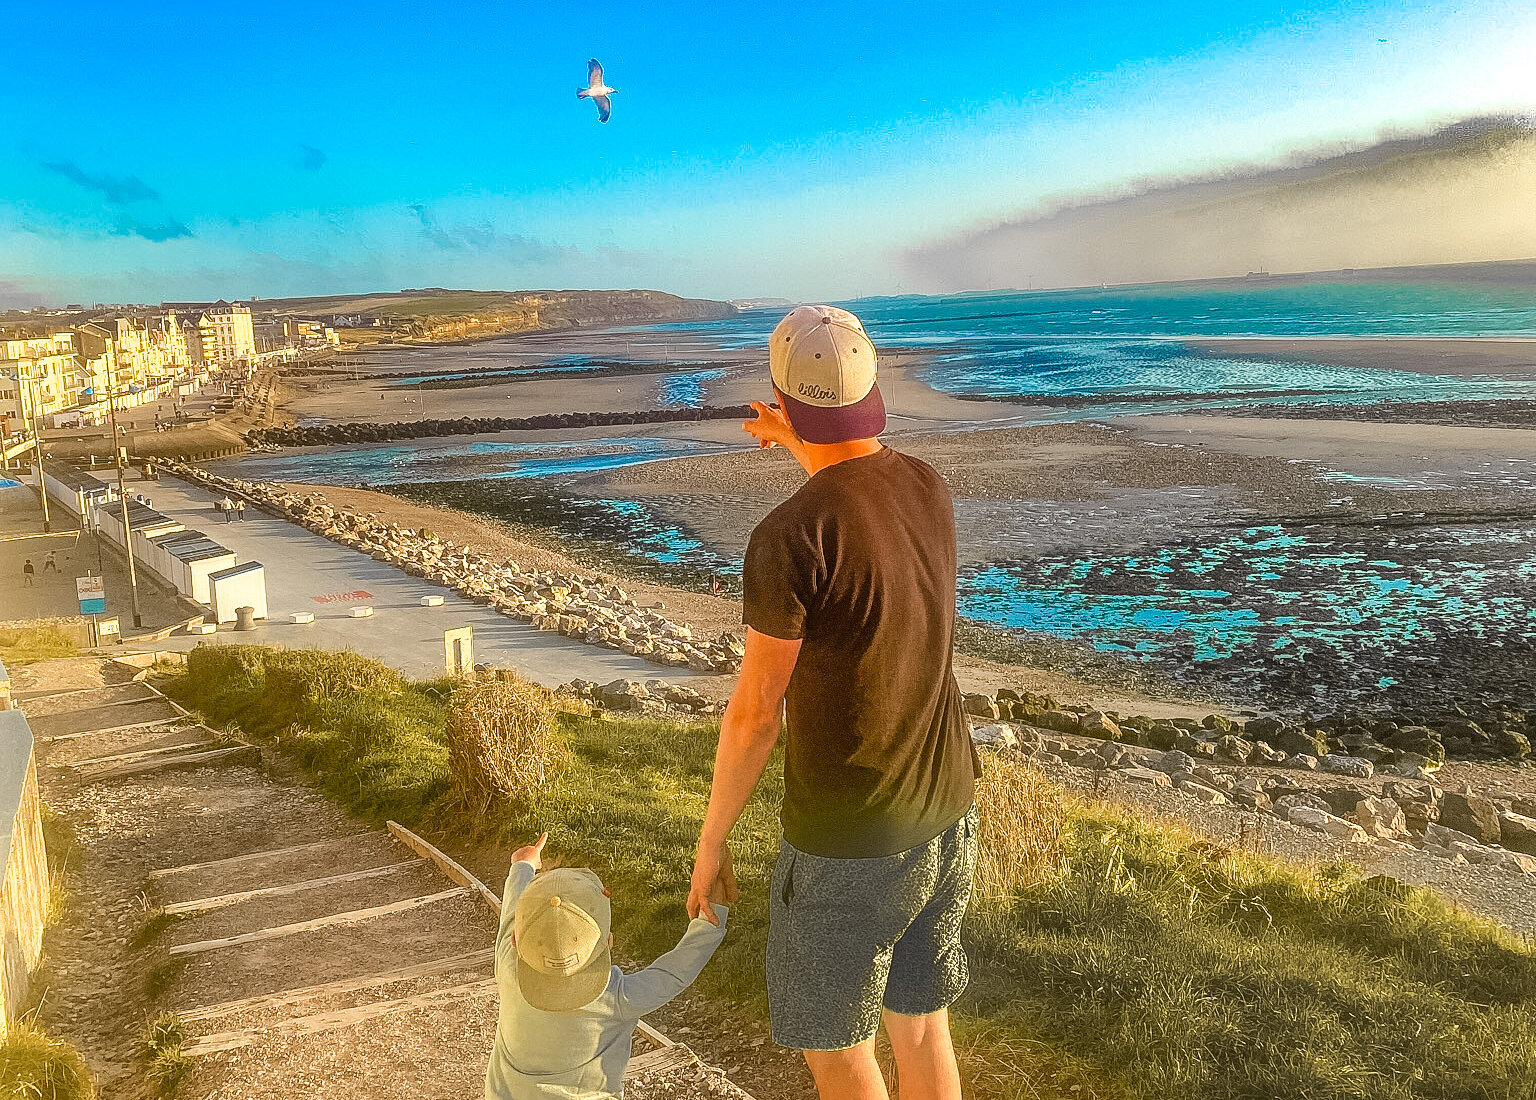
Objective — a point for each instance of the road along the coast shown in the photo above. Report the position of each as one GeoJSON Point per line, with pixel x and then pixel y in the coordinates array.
{"type": "Point", "coordinates": [306, 572]}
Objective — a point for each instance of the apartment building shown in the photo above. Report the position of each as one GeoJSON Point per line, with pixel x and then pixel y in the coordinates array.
{"type": "Point", "coordinates": [39, 376]}
{"type": "Point", "coordinates": [228, 336]}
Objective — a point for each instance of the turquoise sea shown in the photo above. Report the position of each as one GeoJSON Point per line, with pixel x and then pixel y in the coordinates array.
{"type": "Point", "coordinates": [1366, 602]}
{"type": "Point", "coordinates": [1126, 342]}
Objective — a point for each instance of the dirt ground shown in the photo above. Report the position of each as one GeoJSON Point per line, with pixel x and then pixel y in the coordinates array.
{"type": "Point", "coordinates": [202, 840]}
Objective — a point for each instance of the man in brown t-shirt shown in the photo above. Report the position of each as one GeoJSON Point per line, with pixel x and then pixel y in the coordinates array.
{"type": "Point", "coordinates": [850, 609]}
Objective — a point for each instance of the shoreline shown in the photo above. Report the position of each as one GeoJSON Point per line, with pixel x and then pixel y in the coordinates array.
{"type": "Point", "coordinates": [711, 614]}
{"type": "Point", "coordinates": [1034, 493]}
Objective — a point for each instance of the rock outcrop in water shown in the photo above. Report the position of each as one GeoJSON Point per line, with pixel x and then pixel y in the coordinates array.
{"type": "Point", "coordinates": [320, 435]}
{"type": "Point", "coordinates": [574, 605]}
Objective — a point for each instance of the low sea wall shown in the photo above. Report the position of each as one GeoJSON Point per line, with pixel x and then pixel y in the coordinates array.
{"type": "Point", "coordinates": [326, 434]}
{"type": "Point", "coordinates": [24, 894]}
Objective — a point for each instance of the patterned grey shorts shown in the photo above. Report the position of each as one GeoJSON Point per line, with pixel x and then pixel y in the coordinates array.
{"type": "Point", "coordinates": [848, 937]}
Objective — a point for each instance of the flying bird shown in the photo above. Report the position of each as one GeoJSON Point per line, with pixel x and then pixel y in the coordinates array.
{"type": "Point", "coordinates": [596, 90]}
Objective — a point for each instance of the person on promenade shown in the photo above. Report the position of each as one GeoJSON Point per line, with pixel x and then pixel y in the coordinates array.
{"type": "Point", "coordinates": [850, 608]}
{"type": "Point", "coordinates": [26, 573]}
{"type": "Point", "coordinates": [227, 506]}
{"type": "Point", "coordinates": [567, 1015]}
{"type": "Point", "coordinates": [50, 563]}
{"type": "Point", "coordinates": [240, 510]}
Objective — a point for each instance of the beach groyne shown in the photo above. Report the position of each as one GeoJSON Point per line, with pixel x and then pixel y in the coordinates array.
{"type": "Point", "coordinates": [24, 897]}
{"type": "Point", "coordinates": [583, 607]}
{"type": "Point", "coordinates": [319, 435]}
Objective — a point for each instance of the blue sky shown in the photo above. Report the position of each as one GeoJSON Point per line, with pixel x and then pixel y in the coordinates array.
{"type": "Point", "coordinates": [174, 151]}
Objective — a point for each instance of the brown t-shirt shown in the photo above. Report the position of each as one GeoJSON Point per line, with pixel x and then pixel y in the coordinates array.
{"type": "Point", "coordinates": [860, 563]}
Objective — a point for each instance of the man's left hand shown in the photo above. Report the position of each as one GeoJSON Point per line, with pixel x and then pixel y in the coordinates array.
{"type": "Point", "coordinates": [713, 876]}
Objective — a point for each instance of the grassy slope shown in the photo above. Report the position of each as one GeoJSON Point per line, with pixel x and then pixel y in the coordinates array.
{"type": "Point", "coordinates": [1153, 965]}
{"type": "Point", "coordinates": [24, 643]}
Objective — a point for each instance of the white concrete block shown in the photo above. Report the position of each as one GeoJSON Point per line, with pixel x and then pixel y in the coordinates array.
{"type": "Point", "coordinates": [363, 612]}
{"type": "Point", "coordinates": [302, 617]}
{"type": "Point", "coordinates": [431, 601]}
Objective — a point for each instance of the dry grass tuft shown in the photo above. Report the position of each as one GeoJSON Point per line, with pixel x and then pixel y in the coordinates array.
{"type": "Point", "coordinates": [1023, 830]}
{"type": "Point", "coordinates": [34, 1066]}
{"type": "Point", "coordinates": [502, 742]}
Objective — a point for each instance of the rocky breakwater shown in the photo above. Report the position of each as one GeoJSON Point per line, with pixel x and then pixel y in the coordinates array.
{"type": "Point", "coordinates": [1219, 761]}
{"type": "Point", "coordinates": [319, 435]}
{"type": "Point", "coordinates": [1420, 739]}
{"type": "Point", "coordinates": [653, 697]}
{"type": "Point", "coordinates": [573, 605]}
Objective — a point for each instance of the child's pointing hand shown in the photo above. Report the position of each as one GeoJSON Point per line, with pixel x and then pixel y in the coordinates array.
{"type": "Point", "coordinates": [532, 853]}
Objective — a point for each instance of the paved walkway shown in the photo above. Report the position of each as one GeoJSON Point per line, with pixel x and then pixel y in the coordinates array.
{"type": "Point", "coordinates": [52, 594]}
{"type": "Point", "coordinates": [306, 572]}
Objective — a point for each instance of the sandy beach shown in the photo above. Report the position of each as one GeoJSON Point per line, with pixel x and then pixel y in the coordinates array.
{"type": "Point", "coordinates": [1036, 492]}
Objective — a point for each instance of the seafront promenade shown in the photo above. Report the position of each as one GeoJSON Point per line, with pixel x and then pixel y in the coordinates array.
{"type": "Point", "coordinates": [308, 573]}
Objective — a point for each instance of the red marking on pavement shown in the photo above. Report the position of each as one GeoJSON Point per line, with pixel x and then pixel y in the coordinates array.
{"type": "Point", "coordinates": [337, 597]}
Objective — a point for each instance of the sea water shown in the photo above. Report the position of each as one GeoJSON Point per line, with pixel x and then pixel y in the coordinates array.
{"type": "Point", "coordinates": [1244, 600]}
{"type": "Point", "coordinates": [1125, 342]}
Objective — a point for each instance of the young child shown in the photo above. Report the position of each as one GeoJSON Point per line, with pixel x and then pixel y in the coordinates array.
{"type": "Point", "coordinates": [567, 1014]}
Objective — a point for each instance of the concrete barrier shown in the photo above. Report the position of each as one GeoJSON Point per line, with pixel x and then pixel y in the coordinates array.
{"type": "Point", "coordinates": [24, 896]}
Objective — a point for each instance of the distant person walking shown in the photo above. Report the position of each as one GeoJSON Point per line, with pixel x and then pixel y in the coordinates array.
{"type": "Point", "coordinates": [26, 573]}
{"type": "Point", "coordinates": [50, 564]}
{"type": "Point", "coordinates": [240, 510]}
{"type": "Point", "coordinates": [227, 506]}
{"type": "Point", "coordinates": [849, 592]}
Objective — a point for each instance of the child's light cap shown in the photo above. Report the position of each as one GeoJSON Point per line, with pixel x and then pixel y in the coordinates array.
{"type": "Point", "coordinates": [561, 926]}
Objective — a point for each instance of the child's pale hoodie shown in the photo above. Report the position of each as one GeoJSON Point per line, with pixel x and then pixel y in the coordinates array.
{"type": "Point", "coordinates": [581, 1055]}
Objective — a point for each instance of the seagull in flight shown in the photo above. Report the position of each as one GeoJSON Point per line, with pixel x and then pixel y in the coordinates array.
{"type": "Point", "coordinates": [596, 90]}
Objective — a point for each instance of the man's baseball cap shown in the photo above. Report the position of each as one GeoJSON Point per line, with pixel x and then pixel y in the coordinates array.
{"type": "Point", "coordinates": [824, 367]}
{"type": "Point", "coordinates": [561, 926]}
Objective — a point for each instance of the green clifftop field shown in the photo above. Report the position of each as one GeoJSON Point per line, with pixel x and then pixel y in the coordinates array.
{"type": "Point", "coordinates": [1111, 956]}
{"type": "Point", "coordinates": [435, 315]}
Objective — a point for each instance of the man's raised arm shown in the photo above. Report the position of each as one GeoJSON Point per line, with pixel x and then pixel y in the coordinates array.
{"type": "Point", "coordinates": [747, 737]}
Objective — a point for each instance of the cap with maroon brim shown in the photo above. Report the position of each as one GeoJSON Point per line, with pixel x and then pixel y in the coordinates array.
{"type": "Point", "coordinates": [818, 424]}
{"type": "Point", "coordinates": [823, 366]}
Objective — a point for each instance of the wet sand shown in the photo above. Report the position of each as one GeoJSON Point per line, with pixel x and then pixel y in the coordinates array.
{"type": "Point", "coordinates": [709, 614]}
{"type": "Point", "coordinates": [1466, 357]}
{"type": "Point", "coordinates": [1024, 488]}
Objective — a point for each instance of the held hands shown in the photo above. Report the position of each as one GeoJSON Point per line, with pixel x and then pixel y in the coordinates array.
{"type": "Point", "coordinates": [714, 883]}
{"type": "Point", "coordinates": [532, 853]}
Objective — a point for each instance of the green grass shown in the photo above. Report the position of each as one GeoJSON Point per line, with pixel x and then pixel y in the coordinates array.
{"type": "Point", "coordinates": [160, 1049]}
{"type": "Point", "coordinates": [1151, 964]}
{"type": "Point", "coordinates": [28, 642]}
{"type": "Point", "coordinates": [35, 1067]}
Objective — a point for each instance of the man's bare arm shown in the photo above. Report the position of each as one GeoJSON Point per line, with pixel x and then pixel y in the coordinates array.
{"type": "Point", "coordinates": [747, 736]}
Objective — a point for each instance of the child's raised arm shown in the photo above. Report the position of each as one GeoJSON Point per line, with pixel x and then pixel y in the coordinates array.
{"type": "Point", "coordinates": [526, 862]}
{"type": "Point", "coordinates": [675, 971]}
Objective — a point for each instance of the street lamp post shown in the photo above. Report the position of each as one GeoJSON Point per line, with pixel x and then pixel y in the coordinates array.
{"type": "Point", "coordinates": [37, 441]}
{"type": "Point", "coordinates": [122, 493]}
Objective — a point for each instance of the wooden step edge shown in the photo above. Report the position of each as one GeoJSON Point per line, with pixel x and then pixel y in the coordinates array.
{"type": "Point", "coordinates": [328, 1021]}
{"type": "Point", "coordinates": [124, 757]}
{"type": "Point", "coordinates": [250, 857]}
{"type": "Point", "coordinates": [331, 920]}
{"type": "Point", "coordinates": [235, 754]}
{"type": "Point", "coordinates": [470, 960]}
{"type": "Point", "coordinates": [219, 901]}
{"type": "Point", "coordinates": [447, 865]}
{"type": "Point", "coordinates": [169, 720]}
